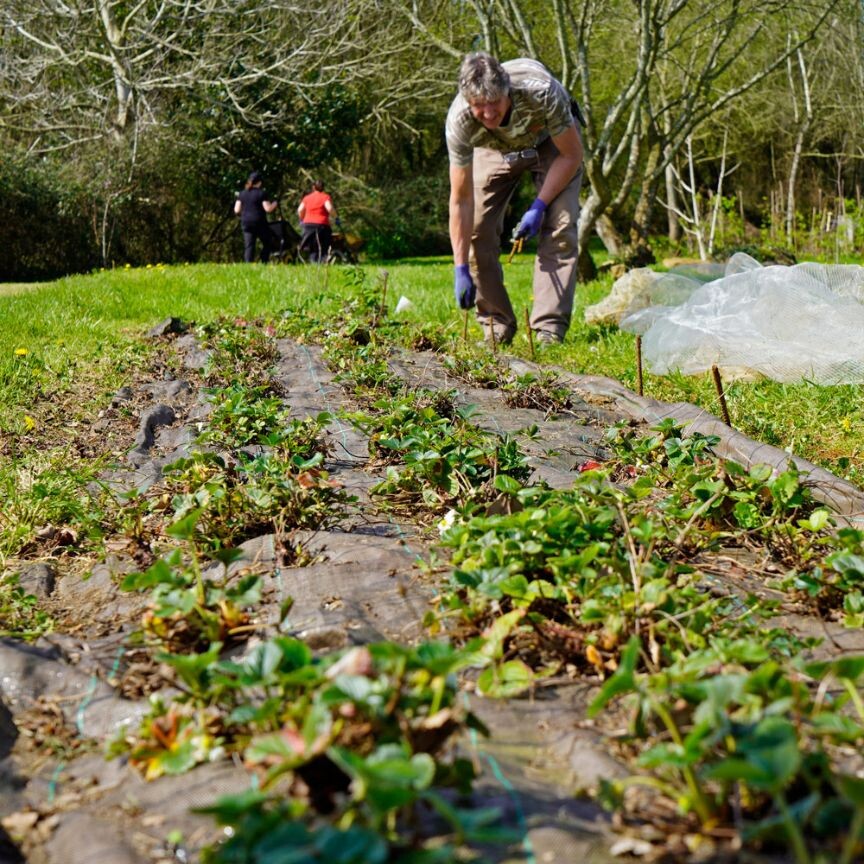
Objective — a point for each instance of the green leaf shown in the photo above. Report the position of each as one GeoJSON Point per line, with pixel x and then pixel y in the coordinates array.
{"type": "Point", "coordinates": [229, 555]}
{"type": "Point", "coordinates": [768, 756]}
{"type": "Point", "coordinates": [261, 662]}
{"type": "Point", "coordinates": [178, 760]}
{"type": "Point", "coordinates": [357, 845]}
{"type": "Point", "coordinates": [818, 520]}
{"type": "Point", "coordinates": [843, 667]}
{"type": "Point", "coordinates": [747, 515]}
{"type": "Point", "coordinates": [353, 688]}
{"type": "Point", "coordinates": [505, 483]}
{"type": "Point", "coordinates": [184, 529]}
{"type": "Point", "coordinates": [230, 809]}
{"type": "Point", "coordinates": [161, 571]}
{"type": "Point", "coordinates": [497, 633]}
{"type": "Point", "coordinates": [506, 680]}
{"type": "Point", "coordinates": [623, 681]}
{"type": "Point", "coordinates": [247, 591]}
{"type": "Point", "coordinates": [852, 789]}
{"type": "Point", "coordinates": [264, 747]}
{"type": "Point", "coordinates": [786, 489]}
{"type": "Point", "coordinates": [761, 473]}
{"type": "Point", "coordinates": [295, 653]}
{"type": "Point", "coordinates": [193, 669]}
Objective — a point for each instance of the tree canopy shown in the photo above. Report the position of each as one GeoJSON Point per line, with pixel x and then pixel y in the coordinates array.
{"type": "Point", "coordinates": [149, 114]}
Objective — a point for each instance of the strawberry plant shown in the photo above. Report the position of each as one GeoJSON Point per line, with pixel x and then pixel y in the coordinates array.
{"type": "Point", "coordinates": [729, 724]}
{"type": "Point", "coordinates": [237, 500]}
{"type": "Point", "coordinates": [349, 747]}
{"type": "Point", "coordinates": [541, 391]}
{"type": "Point", "coordinates": [835, 586]}
{"type": "Point", "coordinates": [242, 416]}
{"type": "Point", "coordinates": [444, 460]}
{"type": "Point", "coordinates": [583, 567]}
{"type": "Point", "coordinates": [189, 609]}
{"type": "Point", "coordinates": [241, 351]}
{"type": "Point", "coordinates": [476, 368]}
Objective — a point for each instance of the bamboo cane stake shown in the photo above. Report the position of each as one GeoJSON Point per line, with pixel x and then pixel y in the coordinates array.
{"type": "Point", "coordinates": [639, 388]}
{"type": "Point", "coordinates": [384, 275]}
{"type": "Point", "coordinates": [465, 327]}
{"type": "Point", "coordinates": [718, 386]}
{"type": "Point", "coordinates": [530, 335]}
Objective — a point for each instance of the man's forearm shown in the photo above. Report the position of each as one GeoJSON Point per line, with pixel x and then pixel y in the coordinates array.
{"type": "Point", "coordinates": [562, 170]}
{"type": "Point", "coordinates": [461, 222]}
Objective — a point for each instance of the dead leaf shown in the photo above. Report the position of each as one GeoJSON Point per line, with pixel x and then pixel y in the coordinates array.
{"type": "Point", "coordinates": [19, 823]}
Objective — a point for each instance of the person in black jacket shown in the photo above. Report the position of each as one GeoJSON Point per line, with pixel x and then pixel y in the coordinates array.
{"type": "Point", "coordinates": [252, 206]}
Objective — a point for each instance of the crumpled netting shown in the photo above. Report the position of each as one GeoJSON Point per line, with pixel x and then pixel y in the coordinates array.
{"type": "Point", "coordinates": [803, 322]}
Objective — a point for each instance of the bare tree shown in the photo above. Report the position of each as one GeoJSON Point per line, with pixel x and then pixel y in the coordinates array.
{"type": "Point", "coordinates": [803, 117]}
{"type": "Point", "coordinates": [648, 75]}
{"type": "Point", "coordinates": [693, 220]}
{"type": "Point", "coordinates": [100, 77]}
{"type": "Point", "coordinates": [76, 69]}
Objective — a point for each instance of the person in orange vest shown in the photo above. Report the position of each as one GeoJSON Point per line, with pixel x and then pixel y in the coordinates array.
{"type": "Point", "coordinates": [315, 212]}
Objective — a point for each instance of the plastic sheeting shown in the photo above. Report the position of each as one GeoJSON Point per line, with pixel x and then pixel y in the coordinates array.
{"type": "Point", "coordinates": [803, 322]}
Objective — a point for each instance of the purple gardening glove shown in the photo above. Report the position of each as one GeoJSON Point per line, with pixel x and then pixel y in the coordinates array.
{"type": "Point", "coordinates": [529, 224]}
{"type": "Point", "coordinates": [463, 287]}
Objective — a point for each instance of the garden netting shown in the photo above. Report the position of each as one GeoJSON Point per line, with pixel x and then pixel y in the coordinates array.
{"type": "Point", "coordinates": [796, 323]}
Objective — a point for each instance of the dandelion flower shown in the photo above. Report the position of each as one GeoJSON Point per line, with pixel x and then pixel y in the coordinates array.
{"type": "Point", "coordinates": [21, 352]}
{"type": "Point", "coordinates": [29, 422]}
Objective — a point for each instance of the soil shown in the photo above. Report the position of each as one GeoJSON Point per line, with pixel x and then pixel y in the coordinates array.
{"type": "Point", "coordinates": [63, 696]}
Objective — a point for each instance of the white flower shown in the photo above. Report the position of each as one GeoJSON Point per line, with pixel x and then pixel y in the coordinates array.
{"type": "Point", "coordinates": [447, 522]}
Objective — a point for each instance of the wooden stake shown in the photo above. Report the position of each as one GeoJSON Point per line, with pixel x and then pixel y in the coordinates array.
{"type": "Point", "coordinates": [384, 275]}
{"type": "Point", "coordinates": [517, 247]}
{"type": "Point", "coordinates": [494, 340]}
{"type": "Point", "coordinates": [718, 385]}
{"type": "Point", "coordinates": [465, 328]}
{"type": "Point", "coordinates": [530, 333]}
{"type": "Point", "coordinates": [639, 388]}
{"type": "Point", "coordinates": [379, 312]}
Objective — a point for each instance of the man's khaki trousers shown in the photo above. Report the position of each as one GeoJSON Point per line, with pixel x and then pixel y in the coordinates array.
{"type": "Point", "coordinates": [495, 180]}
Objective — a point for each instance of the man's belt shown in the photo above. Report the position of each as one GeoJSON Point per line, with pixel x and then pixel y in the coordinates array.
{"type": "Point", "coordinates": [519, 155]}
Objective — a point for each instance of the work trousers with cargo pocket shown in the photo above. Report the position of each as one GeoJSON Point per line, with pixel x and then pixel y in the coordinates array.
{"type": "Point", "coordinates": [496, 176]}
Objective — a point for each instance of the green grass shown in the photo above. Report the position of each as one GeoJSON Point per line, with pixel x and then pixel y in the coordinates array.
{"type": "Point", "coordinates": [84, 333]}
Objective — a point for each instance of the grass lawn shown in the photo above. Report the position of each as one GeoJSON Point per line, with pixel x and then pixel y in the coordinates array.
{"type": "Point", "coordinates": [72, 342]}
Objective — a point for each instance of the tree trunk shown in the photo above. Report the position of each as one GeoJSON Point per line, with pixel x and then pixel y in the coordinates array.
{"type": "Point", "coordinates": [586, 268]}
{"type": "Point", "coordinates": [593, 208]}
{"type": "Point", "coordinates": [800, 137]}
{"type": "Point", "coordinates": [610, 235]}
{"type": "Point", "coordinates": [672, 220]}
{"type": "Point", "coordinates": [640, 227]}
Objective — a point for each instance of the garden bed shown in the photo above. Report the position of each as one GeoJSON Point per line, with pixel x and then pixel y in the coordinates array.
{"type": "Point", "coordinates": [369, 536]}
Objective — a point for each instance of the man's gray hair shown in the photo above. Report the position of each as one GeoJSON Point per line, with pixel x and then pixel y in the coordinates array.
{"type": "Point", "coordinates": [482, 78]}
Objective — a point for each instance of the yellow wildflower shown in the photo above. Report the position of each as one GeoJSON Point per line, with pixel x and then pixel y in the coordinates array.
{"type": "Point", "coordinates": [29, 422]}
{"type": "Point", "coordinates": [21, 352]}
